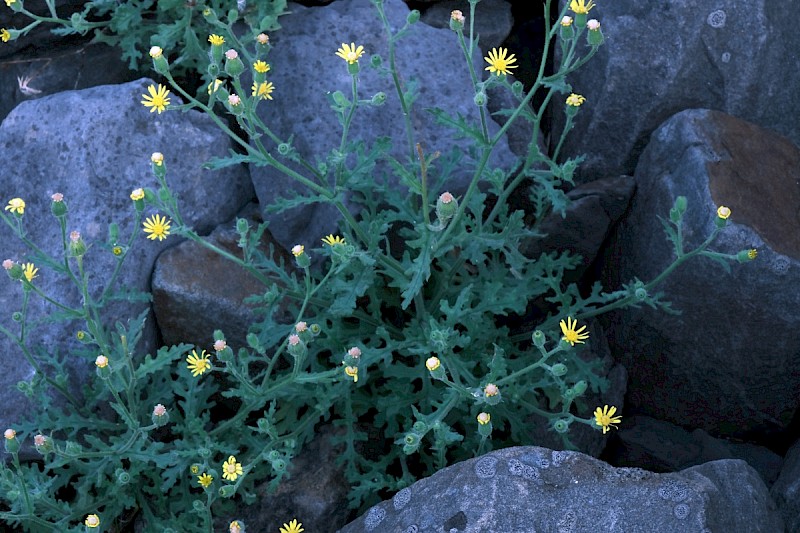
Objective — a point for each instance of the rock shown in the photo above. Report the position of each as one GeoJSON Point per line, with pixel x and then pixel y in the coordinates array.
{"type": "Point", "coordinates": [190, 303]}
{"type": "Point", "coordinates": [53, 145]}
{"type": "Point", "coordinates": [659, 446]}
{"type": "Point", "coordinates": [305, 69]}
{"type": "Point", "coordinates": [786, 490]}
{"type": "Point", "coordinates": [662, 58]}
{"type": "Point", "coordinates": [493, 20]}
{"type": "Point", "coordinates": [528, 488]}
{"type": "Point", "coordinates": [726, 364]}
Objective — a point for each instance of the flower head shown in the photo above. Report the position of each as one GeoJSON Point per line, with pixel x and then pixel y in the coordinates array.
{"type": "Point", "coordinates": [491, 390]}
{"type": "Point", "coordinates": [571, 335]}
{"type": "Point", "coordinates": [330, 240]}
{"type": "Point", "coordinates": [220, 345]}
{"type": "Point", "coordinates": [216, 40]}
{"type": "Point", "coordinates": [29, 270]}
{"type": "Point", "coordinates": [214, 85]}
{"type": "Point", "coordinates": [498, 62]}
{"type": "Point", "coordinates": [354, 352]}
{"type": "Point", "coordinates": [566, 21]}
{"type": "Point", "coordinates": [262, 38]}
{"type": "Point", "coordinates": [294, 340]}
{"type": "Point", "coordinates": [234, 100]}
{"type": "Point", "coordinates": [156, 52]}
{"type": "Point", "coordinates": [352, 371]}
{"type": "Point", "coordinates": [157, 100]}
{"type": "Point", "coordinates": [235, 527]}
{"type": "Point", "coordinates": [752, 253]}
{"type": "Point", "coordinates": [605, 417]}
{"type": "Point", "coordinates": [292, 527]}
{"type": "Point", "coordinates": [205, 480]}
{"type": "Point", "coordinates": [101, 361]}
{"type": "Point", "coordinates": [261, 66]}
{"type": "Point", "coordinates": [263, 90]}
{"type": "Point", "coordinates": [9, 434]}
{"type": "Point", "coordinates": [593, 25]}
{"type": "Point", "coordinates": [484, 418]}
{"type": "Point", "coordinates": [198, 364]}
{"type": "Point", "coordinates": [16, 205]}
{"type": "Point", "coordinates": [5, 35]}
{"type": "Point", "coordinates": [159, 410]}
{"type": "Point", "coordinates": [231, 469]}
{"type": "Point", "coordinates": [297, 250]}
{"type": "Point", "coordinates": [39, 440]}
{"type": "Point", "coordinates": [580, 7]}
{"type": "Point", "coordinates": [457, 16]}
{"type": "Point", "coordinates": [57, 197]}
{"type": "Point", "coordinates": [157, 158]}
{"type": "Point", "coordinates": [350, 53]}
{"type": "Point", "coordinates": [117, 250]}
{"type": "Point", "coordinates": [575, 100]}
{"type": "Point", "coordinates": [231, 54]}
{"type": "Point", "coordinates": [722, 212]}
{"type": "Point", "coordinates": [157, 227]}
{"type": "Point", "coordinates": [92, 521]}
{"type": "Point", "coordinates": [137, 194]}
{"type": "Point", "coordinates": [9, 3]}
{"type": "Point", "coordinates": [432, 363]}
{"type": "Point", "coordinates": [8, 264]}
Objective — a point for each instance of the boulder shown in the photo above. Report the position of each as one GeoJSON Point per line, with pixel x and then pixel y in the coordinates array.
{"type": "Point", "coordinates": [728, 363]}
{"type": "Point", "coordinates": [528, 488]}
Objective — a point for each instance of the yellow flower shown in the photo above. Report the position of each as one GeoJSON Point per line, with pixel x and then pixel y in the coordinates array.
{"type": "Point", "coordinates": [235, 527]}
{"type": "Point", "coordinates": [261, 66]}
{"type": "Point", "coordinates": [575, 100]}
{"type": "Point", "coordinates": [350, 53]}
{"type": "Point", "coordinates": [29, 271]}
{"type": "Point", "coordinates": [605, 417]}
{"type": "Point", "coordinates": [498, 62]}
{"type": "Point", "coordinates": [231, 469]}
{"type": "Point", "coordinates": [157, 227]}
{"type": "Point", "coordinates": [216, 40]}
{"type": "Point", "coordinates": [752, 253]}
{"type": "Point", "coordinates": [5, 35]}
{"type": "Point", "coordinates": [262, 38]}
{"type": "Point", "coordinates": [137, 194]}
{"type": "Point", "coordinates": [156, 52]}
{"type": "Point", "coordinates": [297, 250]}
{"type": "Point", "coordinates": [330, 240]}
{"type": "Point", "coordinates": [722, 212]}
{"type": "Point", "coordinates": [92, 521]}
{"type": "Point", "coordinates": [571, 335]}
{"type": "Point", "coordinates": [580, 7]}
{"type": "Point", "coordinates": [263, 90]}
{"type": "Point", "coordinates": [484, 418]}
{"type": "Point", "coordinates": [352, 371]}
{"type": "Point", "coordinates": [198, 364]}
{"type": "Point", "coordinates": [214, 85]}
{"type": "Point", "coordinates": [432, 363]}
{"type": "Point", "coordinates": [157, 158]}
{"type": "Point", "coordinates": [194, 469]}
{"type": "Point", "coordinates": [157, 100]}
{"type": "Point", "coordinates": [292, 527]}
{"type": "Point", "coordinates": [117, 250]}
{"type": "Point", "coordinates": [205, 480]}
{"type": "Point", "coordinates": [10, 2]}
{"type": "Point", "coordinates": [16, 205]}
{"type": "Point", "coordinates": [101, 361]}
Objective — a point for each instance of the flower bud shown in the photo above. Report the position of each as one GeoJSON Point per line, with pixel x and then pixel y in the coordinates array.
{"type": "Point", "coordinates": [160, 415]}
{"type": "Point", "coordinates": [745, 256]}
{"type": "Point", "coordinates": [103, 371]}
{"type": "Point", "coordinates": [434, 366]}
{"type": "Point", "coordinates": [446, 207]}
{"type": "Point", "coordinates": [123, 478]}
{"type": "Point", "coordinates": [479, 99]}
{"type": "Point", "coordinates": [296, 347]}
{"type": "Point", "coordinates": [198, 506]}
{"type": "Point", "coordinates": [14, 270]}
{"type": "Point", "coordinates": [11, 442]}
{"type": "Point", "coordinates": [411, 443]}
{"type": "Point", "coordinates": [561, 425]}
{"type": "Point", "coordinates": [558, 369]}
{"type": "Point", "coordinates": [538, 338]}
{"type": "Point", "coordinates": [227, 491]}
{"type": "Point", "coordinates": [216, 48]}
{"type": "Point", "coordinates": [300, 256]}
{"type": "Point", "coordinates": [375, 60]}
{"type": "Point", "coordinates": [579, 388]}
{"type": "Point", "coordinates": [484, 424]}
{"type": "Point", "coordinates": [58, 207]}
{"type": "Point", "coordinates": [160, 63]}
{"type": "Point", "coordinates": [77, 248]}
{"type": "Point", "coordinates": [315, 329]}
{"type": "Point", "coordinates": [413, 16]}
{"type": "Point", "coordinates": [567, 30]}
{"type": "Point", "coordinates": [594, 36]}
{"type": "Point", "coordinates": [722, 216]}
{"type": "Point", "coordinates": [457, 20]}
{"type": "Point", "coordinates": [378, 99]}
{"type": "Point", "coordinates": [44, 445]}
{"type": "Point", "coordinates": [279, 465]}
{"type": "Point", "coordinates": [233, 65]}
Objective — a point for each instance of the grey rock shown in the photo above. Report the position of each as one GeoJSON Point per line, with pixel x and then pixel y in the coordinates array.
{"type": "Point", "coordinates": [493, 19]}
{"type": "Point", "coordinates": [659, 446]}
{"type": "Point", "coordinates": [786, 490]}
{"type": "Point", "coordinates": [526, 488]}
{"type": "Point", "coordinates": [729, 356]}
{"type": "Point", "coordinates": [660, 58]}
{"type": "Point", "coordinates": [96, 159]}
{"type": "Point", "coordinates": [305, 68]}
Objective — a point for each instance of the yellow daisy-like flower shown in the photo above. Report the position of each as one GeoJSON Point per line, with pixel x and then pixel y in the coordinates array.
{"type": "Point", "coordinates": [292, 527]}
{"type": "Point", "coordinates": [330, 240]}
{"type": "Point", "coordinates": [605, 417]}
{"type": "Point", "coordinates": [352, 371]}
{"type": "Point", "coordinates": [16, 205]}
{"type": "Point", "coordinates": [722, 212]}
{"type": "Point", "coordinates": [571, 335]}
{"type": "Point", "coordinates": [263, 90]}
{"type": "Point", "coordinates": [575, 100]}
{"type": "Point", "coordinates": [498, 62]}
{"type": "Point", "coordinates": [117, 250]}
{"type": "Point", "coordinates": [5, 35]}
{"type": "Point", "coordinates": [216, 40]}
{"type": "Point", "coordinates": [198, 364]}
{"type": "Point", "coordinates": [350, 53]}
{"type": "Point", "coordinates": [231, 469]}
{"type": "Point", "coordinates": [752, 253]}
{"type": "Point", "coordinates": [205, 480]}
{"type": "Point", "coordinates": [92, 521]}
{"type": "Point", "coordinates": [29, 271]}
{"type": "Point", "coordinates": [261, 66]}
{"type": "Point", "coordinates": [157, 100]}
{"type": "Point", "coordinates": [157, 227]}
{"type": "Point", "coordinates": [214, 85]}
{"type": "Point", "coordinates": [580, 7]}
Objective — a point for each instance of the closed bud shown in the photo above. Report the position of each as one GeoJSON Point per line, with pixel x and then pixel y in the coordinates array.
{"type": "Point", "coordinates": [594, 36]}
{"type": "Point", "coordinates": [227, 491]}
{"type": "Point", "coordinates": [446, 207]}
{"type": "Point", "coordinates": [561, 425]}
{"type": "Point", "coordinates": [279, 465]}
{"type": "Point", "coordinates": [58, 207]}
{"type": "Point", "coordinates": [315, 329]}
{"type": "Point", "coordinates": [640, 294]}
{"type": "Point", "coordinates": [579, 388]}
{"type": "Point", "coordinates": [420, 427]}
{"type": "Point", "coordinates": [160, 416]}
{"type": "Point", "coordinates": [378, 99]}
{"type": "Point", "coordinates": [745, 256]}
{"type": "Point", "coordinates": [123, 478]}
{"type": "Point", "coordinates": [233, 65]}
{"type": "Point", "coordinates": [538, 338]}
{"type": "Point", "coordinates": [413, 16]}
{"type": "Point", "coordinates": [375, 60]}
{"type": "Point", "coordinates": [198, 506]}
{"type": "Point", "coordinates": [213, 70]}
{"type": "Point", "coordinates": [479, 99]}
{"type": "Point", "coordinates": [558, 369]}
